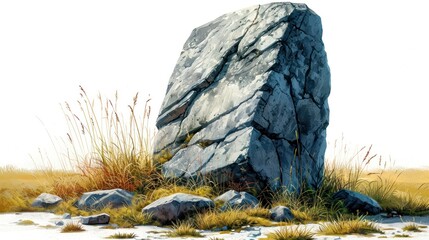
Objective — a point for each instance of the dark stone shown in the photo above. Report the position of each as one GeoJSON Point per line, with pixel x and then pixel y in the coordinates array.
{"type": "Point", "coordinates": [281, 214]}
{"type": "Point", "coordinates": [114, 198]}
{"type": "Point", "coordinates": [357, 202]}
{"type": "Point", "coordinates": [102, 218]}
{"type": "Point", "coordinates": [237, 200]}
{"type": "Point", "coordinates": [176, 206]}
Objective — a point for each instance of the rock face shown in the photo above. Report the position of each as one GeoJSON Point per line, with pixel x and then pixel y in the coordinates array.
{"type": "Point", "coordinates": [281, 214]}
{"type": "Point", "coordinates": [176, 206]}
{"type": "Point", "coordinates": [102, 218]}
{"type": "Point", "coordinates": [357, 202]}
{"type": "Point", "coordinates": [46, 200]}
{"type": "Point", "coordinates": [105, 198]}
{"type": "Point", "coordinates": [247, 100]}
{"type": "Point", "coordinates": [237, 200]}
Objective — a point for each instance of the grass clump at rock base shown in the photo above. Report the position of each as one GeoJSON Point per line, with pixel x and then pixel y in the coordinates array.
{"type": "Point", "coordinates": [344, 227]}
{"type": "Point", "coordinates": [122, 236]}
{"type": "Point", "coordinates": [184, 229]}
{"type": "Point", "coordinates": [72, 227]}
{"type": "Point", "coordinates": [290, 233]}
{"type": "Point", "coordinates": [232, 219]}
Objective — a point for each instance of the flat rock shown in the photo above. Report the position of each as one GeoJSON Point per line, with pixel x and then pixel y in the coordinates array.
{"type": "Point", "coordinates": [237, 200]}
{"type": "Point", "coordinates": [247, 101]}
{"type": "Point", "coordinates": [281, 214]}
{"type": "Point", "coordinates": [46, 200]}
{"type": "Point", "coordinates": [102, 218]}
{"type": "Point", "coordinates": [358, 202]}
{"type": "Point", "coordinates": [105, 198]}
{"type": "Point", "coordinates": [176, 206]}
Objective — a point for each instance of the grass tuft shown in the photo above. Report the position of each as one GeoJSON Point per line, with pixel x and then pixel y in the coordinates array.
{"type": "Point", "coordinates": [232, 219]}
{"type": "Point", "coordinates": [343, 227]}
{"type": "Point", "coordinates": [290, 233]}
{"type": "Point", "coordinates": [72, 227]}
{"type": "Point", "coordinates": [184, 229]}
{"type": "Point", "coordinates": [122, 236]}
{"type": "Point", "coordinates": [26, 222]}
{"type": "Point", "coordinates": [412, 227]}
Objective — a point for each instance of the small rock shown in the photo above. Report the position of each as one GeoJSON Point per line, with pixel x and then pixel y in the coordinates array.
{"type": "Point", "coordinates": [96, 219]}
{"type": "Point", "coordinates": [281, 214]}
{"type": "Point", "coordinates": [237, 200]}
{"type": "Point", "coordinates": [59, 223]}
{"type": "Point", "coordinates": [255, 233]}
{"type": "Point", "coordinates": [66, 216]}
{"type": "Point", "coordinates": [114, 198]}
{"type": "Point", "coordinates": [176, 206]}
{"type": "Point", "coordinates": [46, 200]}
{"type": "Point", "coordinates": [357, 202]}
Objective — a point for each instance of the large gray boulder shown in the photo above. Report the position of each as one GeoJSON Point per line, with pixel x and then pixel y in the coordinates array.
{"type": "Point", "coordinates": [247, 100]}
{"type": "Point", "coordinates": [237, 200]}
{"type": "Point", "coordinates": [176, 206]}
{"type": "Point", "coordinates": [357, 202]}
{"type": "Point", "coordinates": [46, 200]}
{"type": "Point", "coordinates": [105, 198]}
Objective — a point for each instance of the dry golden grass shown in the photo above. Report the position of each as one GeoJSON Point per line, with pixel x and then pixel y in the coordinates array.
{"type": "Point", "coordinates": [72, 227]}
{"type": "Point", "coordinates": [26, 222]}
{"type": "Point", "coordinates": [412, 227]}
{"type": "Point", "coordinates": [412, 181]}
{"type": "Point", "coordinates": [290, 233]}
{"type": "Point", "coordinates": [343, 227]}
{"type": "Point", "coordinates": [232, 219]}
{"type": "Point", "coordinates": [184, 229]}
{"type": "Point", "coordinates": [122, 236]}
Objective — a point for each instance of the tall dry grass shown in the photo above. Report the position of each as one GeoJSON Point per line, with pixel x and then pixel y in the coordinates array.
{"type": "Point", "coordinates": [105, 148]}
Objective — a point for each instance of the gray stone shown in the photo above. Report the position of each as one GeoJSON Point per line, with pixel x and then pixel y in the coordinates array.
{"type": "Point", "coordinates": [102, 218]}
{"type": "Point", "coordinates": [247, 101]}
{"type": "Point", "coordinates": [66, 216]}
{"type": "Point", "coordinates": [176, 206]}
{"type": "Point", "coordinates": [281, 214]}
{"type": "Point", "coordinates": [357, 202]}
{"type": "Point", "coordinates": [105, 198]}
{"type": "Point", "coordinates": [46, 200]}
{"type": "Point", "coordinates": [237, 200]}
{"type": "Point", "coordinates": [59, 223]}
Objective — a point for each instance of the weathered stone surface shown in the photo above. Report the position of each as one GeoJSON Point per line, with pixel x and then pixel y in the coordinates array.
{"type": "Point", "coordinates": [281, 214]}
{"type": "Point", "coordinates": [357, 202]}
{"type": "Point", "coordinates": [176, 206]}
{"type": "Point", "coordinates": [247, 100]}
{"type": "Point", "coordinates": [237, 200]}
{"type": "Point", "coordinates": [102, 218]}
{"type": "Point", "coordinates": [46, 200]}
{"type": "Point", "coordinates": [105, 198]}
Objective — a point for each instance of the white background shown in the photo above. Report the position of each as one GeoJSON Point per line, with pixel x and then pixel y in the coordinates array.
{"type": "Point", "coordinates": [377, 51]}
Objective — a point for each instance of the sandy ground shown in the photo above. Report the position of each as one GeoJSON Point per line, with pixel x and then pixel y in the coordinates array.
{"type": "Point", "coordinates": [45, 228]}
